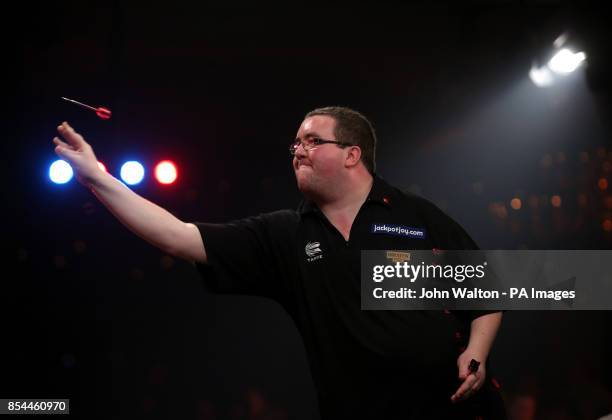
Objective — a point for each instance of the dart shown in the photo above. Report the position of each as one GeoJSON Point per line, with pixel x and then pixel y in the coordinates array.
{"type": "Point", "coordinates": [101, 112]}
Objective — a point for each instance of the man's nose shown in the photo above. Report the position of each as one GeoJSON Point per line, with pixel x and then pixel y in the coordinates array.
{"type": "Point", "coordinates": [300, 152]}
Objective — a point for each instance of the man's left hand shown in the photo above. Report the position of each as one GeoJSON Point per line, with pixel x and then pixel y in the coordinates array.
{"type": "Point", "coordinates": [472, 381]}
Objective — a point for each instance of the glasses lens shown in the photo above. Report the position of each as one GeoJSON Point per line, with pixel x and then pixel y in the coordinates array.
{"type": "Point", "coordinates": [307, 144]}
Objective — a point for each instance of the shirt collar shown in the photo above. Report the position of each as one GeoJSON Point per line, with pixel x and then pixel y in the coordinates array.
{"type": "Point", "coordinates": [381, 193]}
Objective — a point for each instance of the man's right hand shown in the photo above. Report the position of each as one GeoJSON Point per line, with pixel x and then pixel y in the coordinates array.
{"type": "Point", "coordinates": [78, 153]}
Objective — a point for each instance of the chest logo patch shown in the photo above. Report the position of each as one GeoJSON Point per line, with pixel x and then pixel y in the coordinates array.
{"type": "Point", "coordinates": [313, 251]}
{"type": "Point", "coordinates": [397, 230]}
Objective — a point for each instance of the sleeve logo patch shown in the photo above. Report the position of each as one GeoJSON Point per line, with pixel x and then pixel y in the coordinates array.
{"type": "Point", "coordinates": [397, 230]}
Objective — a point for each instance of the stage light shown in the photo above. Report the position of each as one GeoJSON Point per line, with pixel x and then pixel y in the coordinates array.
{"type": "Point", "coordinates": [541, 77]}
{"type": "Point", "coordinates": [165, 172]}
{"type": "Point", "coordinates": [60, 172]}
{"type": "Point", "coordinates": [565, 61]}
{"type": "Point", "coordinates": [558, 60]}
{"type": "Point", "coordinates": [132, 172]}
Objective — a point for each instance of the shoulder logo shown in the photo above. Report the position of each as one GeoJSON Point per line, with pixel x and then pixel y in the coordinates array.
{"type": "Point", "coordinates": [313, 251]}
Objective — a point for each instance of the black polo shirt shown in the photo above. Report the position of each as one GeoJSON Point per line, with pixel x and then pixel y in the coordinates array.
{"type": "Point", "coordinates": [365, 364]}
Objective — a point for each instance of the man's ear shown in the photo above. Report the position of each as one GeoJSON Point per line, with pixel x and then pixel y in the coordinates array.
{"type": "Point", "coordinates": [353, 156]}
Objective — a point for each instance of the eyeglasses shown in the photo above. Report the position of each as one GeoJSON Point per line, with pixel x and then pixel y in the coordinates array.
{"type": "Point", "coordinates": [312, 142]}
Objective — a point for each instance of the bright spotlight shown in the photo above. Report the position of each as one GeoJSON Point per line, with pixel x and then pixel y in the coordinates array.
{"type": "Point", "coordinates": [565, 61]}
{"type": "Point", "coordinates": [60, 172]}
{"type": "Point", "coordinates": [165, 172]}
{"type": "Point", "coordinates": [541, 76]}
{"type": "Point", "coordinates": [132, 172]}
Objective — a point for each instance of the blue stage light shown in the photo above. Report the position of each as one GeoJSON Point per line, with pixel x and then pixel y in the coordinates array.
{"type": "Point", "coordinates": [60, 172]}
{"type": "Point", "coordinates": [132, 172]}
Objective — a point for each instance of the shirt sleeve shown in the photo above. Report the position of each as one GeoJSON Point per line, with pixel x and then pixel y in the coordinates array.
{"type": "Point", "coordinates": [250, 256]}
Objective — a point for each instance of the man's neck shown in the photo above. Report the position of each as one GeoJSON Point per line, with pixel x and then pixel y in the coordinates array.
{"type": "Point", "coordinates": [342, 210]}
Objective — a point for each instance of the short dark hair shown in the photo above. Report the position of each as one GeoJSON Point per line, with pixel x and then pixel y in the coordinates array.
{"type": "Point", "coordinates": [352, 127]}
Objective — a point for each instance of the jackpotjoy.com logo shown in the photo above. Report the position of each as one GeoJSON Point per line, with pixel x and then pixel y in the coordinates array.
{"type": "Point", "coordinates": [398, 230]}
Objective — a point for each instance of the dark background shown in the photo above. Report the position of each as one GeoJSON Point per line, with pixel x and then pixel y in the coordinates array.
{"type": "Point", "coordinates": [96, 315]}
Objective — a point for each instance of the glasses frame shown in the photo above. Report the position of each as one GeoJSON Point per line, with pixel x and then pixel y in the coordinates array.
{"type": "Point", "coordinates": [316, 141]}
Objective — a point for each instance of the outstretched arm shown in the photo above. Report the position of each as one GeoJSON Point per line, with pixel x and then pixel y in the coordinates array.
{"type": "Point", "coordinates": [146, 219]}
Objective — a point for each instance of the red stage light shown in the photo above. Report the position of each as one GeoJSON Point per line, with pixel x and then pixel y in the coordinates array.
{"type": "Point", "coordinates": [166, 172]}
